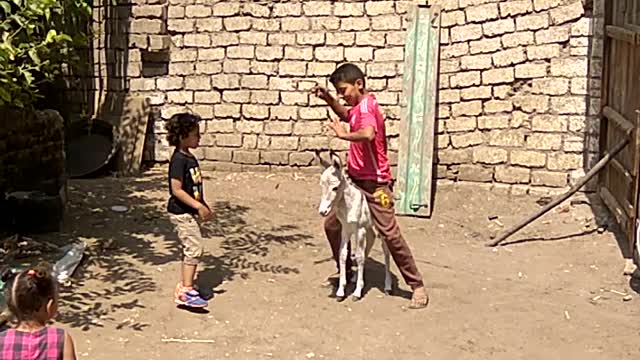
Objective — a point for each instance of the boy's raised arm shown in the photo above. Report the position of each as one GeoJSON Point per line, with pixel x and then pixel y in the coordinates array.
{"type": "Point", "coordinates": [335, 105]}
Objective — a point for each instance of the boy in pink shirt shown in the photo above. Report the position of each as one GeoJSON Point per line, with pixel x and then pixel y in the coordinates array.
{"type": "Point", "coordinates": [368, 167]}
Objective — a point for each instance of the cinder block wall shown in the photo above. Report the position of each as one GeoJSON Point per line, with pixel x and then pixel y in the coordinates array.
{"type": "Point", "coordinates": [519, 80]}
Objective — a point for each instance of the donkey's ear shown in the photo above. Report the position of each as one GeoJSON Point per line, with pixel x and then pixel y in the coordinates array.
{"type": "Point", "coordinates": [323, 163]}
{"type": "Point", "coordinates": [336, 161]}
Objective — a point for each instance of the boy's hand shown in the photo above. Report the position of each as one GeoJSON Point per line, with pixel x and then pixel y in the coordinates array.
{"type": "Point", "coordinates": [321, 92]}
{"type": "Point", "coordinates": [337, 128]}
{"type": "Point", "coordinates": [204, 213]}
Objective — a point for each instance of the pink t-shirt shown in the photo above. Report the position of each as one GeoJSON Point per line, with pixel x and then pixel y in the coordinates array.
{"type": "Point", "coordinates": [368, 160]}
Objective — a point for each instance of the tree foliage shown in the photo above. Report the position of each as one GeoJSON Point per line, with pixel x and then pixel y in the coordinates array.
{"type": "Point", "coordinates": [39, 39]}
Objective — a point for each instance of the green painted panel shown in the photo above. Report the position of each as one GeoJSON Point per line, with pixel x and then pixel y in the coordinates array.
{"type": "Point", "coordinates": [417, 126]}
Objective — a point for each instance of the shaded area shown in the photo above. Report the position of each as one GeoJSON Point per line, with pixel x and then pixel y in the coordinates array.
{"type": "Point", "coordinates": [114, 274]}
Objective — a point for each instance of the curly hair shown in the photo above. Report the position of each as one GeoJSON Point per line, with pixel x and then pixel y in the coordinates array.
{"type": "Point", "coordinates": [29, 290]}
{"type": "Point", "coordinates": [179, 127]}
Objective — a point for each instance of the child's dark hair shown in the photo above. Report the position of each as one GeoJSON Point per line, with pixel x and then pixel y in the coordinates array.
{"type": "Point", "coordinates": [179, 127]}
{"type": "Point", "coordinates": [347, 73]}
{"type": "Point", "coordinates": [29, 290]}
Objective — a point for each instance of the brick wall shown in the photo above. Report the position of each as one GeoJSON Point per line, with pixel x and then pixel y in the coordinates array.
{"type": "Point", "coordinates": [519, 82]}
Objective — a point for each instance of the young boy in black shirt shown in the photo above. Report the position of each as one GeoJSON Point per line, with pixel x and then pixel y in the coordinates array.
{"type": "Point", "coordinates": [186, 205]}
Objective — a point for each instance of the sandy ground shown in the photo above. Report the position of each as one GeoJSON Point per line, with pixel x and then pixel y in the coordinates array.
{"type": "Point", "coordinates": [267, 260]}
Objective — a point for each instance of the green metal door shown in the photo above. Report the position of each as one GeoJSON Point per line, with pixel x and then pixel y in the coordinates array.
{"type": "Point", "coordinates": [420, 86]}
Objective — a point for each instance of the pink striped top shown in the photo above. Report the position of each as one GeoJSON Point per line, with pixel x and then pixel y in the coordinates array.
{"type": "Point", "coordinates": [44, 344]}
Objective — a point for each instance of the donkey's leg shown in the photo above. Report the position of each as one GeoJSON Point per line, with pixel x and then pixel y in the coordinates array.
{"type": "Point", "coordinates": [344, 253]}
{"type": "Point", "coordinates": [361, 239]}
{"type": "Point", "coordinates": [388, 286]}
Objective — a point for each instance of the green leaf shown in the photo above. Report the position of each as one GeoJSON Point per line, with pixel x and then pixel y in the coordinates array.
{"type": "Point", "coordinates": [51, 35]}
{"type": "Point", "coordinates": [6, 7]}
{"type": "Point", "coordinates": [28, 76]}
{"type": "Point", "coordinates": [33, 54]}
{"type": "Point", "coordinates": [18, 2]}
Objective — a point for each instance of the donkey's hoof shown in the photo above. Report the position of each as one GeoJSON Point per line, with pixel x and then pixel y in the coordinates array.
{"type": "Point", "coordinates": [340, 294]}
{"type": "Point", "coordinates": [356, 298]}
{"type": "Point", "coordinates": [388, 292]}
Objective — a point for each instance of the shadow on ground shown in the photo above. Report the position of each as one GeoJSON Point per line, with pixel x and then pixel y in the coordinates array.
{"type": "Point", "coordinates": [123, 247]}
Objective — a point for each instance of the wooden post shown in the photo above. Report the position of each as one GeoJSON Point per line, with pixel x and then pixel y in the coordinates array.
{"type": "Point", "coordinates": [596, 169]}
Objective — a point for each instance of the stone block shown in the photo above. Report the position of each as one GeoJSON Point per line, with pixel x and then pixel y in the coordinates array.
{"type": "Point", "coordinates": [531, 103]}
{"type": "Point", "coordinates": [284, 143]}
{"type": "Point", "coordinates": [498, 106]}
{"type": "Point", "coordinates": [465, 79]}
{"type": "Point", "coordinates": [246, 157]}
{"type": "Point", "coordinates": [476, 62]}
{"type": "Point", "coordinates": [570, 67]}
{"type": "Point", "coordinates": [466, 32]}
{"type": "Point", "coordinates": [386, 23]}
{"type": "Point", "coordinates": [454, 156]}
{"type": "Point", "coordinates": [544, 141]}
{"type": "Point", "coordinates": [531, 70]}
{"type": "Point", "coordinates": [543, 52]}
{"type": "Point", "coordinates": [512, 8]}
{"type": "Point", "coordinates": [217, 154]}
{"type": "Point", "coordinates": [498, 27]}
{"type": "Point", "coordinates": [301, 159]}
{"type": "Point", "coordinates": [292, 68]}
{"type": "Point", "coordinates": [467, 108]}
{"type": "Point", "coordinates": [493, 122]}
{"type": "Point", "coordinates": [314, 143]}
{"type": "Point", "coordinates": [532, 22]}
{"type": "Point", "coordinates": [226, 9]}
{"type": "Point", "coordinates": [197, 11]}
{"type": "Point", "coordinates": [509, 57]}
{"type": "Point", "coordinates": [255, 112]}
{"type": "Point", "coordinates": [466, 140]}
{"type": "Point", "coordinates": [451, 18]}
{"type": "Point", "coordinates": [549, 123]}
{"type": "Point", "coordinates": [475, 173]}
{"type": "Point", "coordinates": [548, 178]}
{"type": "Point", "coordinates": [550, 86]}
{"type": "Point", "coordinates": [489, 155]}
{"type": "Point", "coordinates": [274, 157]}
{"type": "Point", "coordinates": [555, 34]}
{"type": "Point", "coordinates": [475, 93]}
{"type": "Point", "coordinates": [229, 140]}
{"type": "Point", "coordinates": [512, 175]}
{"type": "Point", "coordinates": [454, 50]}
{"type": "Point", "coordinates": [569, 105]}
{"type": "Point", "coordinates": [461, 124]}
{"type": "Point", "coordinates": [507, 138]}
{"type": "Point", "coordinates": [560, 161]}
{"type": "Point", "coordinates": [521, 38]}
{"type": "Point", "coordinates": [498, 76]}
{"type": "Point", "coordinates": [278, 128]}
{"type": "Point", "coordinates": [539, 5]}
{"type": "Point", "coordinates": [484, 46]}
{"type": "Point", "coordinates": [227, 111]}
{"type": "Point", "coordinates": [482, 13]}
{"type": "Point", "coordinates": [566, 13]}
{"type": "Point", "coordinates": [528, 158]}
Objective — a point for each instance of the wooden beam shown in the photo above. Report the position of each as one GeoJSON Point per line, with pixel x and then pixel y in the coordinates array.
{"type": "Point", "coordinates": [615, 207]}
{"type": "Point", "coordinates": [595, 170]}
{"type": "Point", "coordinates": [620, 33]}
{"type": "Point", "coordinates": [619, 120]}
{"type": "Point", "coordinates": [622, 170]}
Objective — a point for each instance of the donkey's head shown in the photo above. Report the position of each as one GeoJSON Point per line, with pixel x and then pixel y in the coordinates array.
{"type": "Point", "coordinates": [332, 182]}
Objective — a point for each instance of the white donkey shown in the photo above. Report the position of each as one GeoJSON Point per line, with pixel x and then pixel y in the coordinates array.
{"type": "Point", "coordinates": [352, 210]}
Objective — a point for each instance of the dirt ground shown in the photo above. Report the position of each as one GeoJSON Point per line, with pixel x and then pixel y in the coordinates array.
{"type": "Point", "coordinates": [267, 260]}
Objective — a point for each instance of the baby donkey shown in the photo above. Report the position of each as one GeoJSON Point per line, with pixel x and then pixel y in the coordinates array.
{"type": "Point", "coordinates": [352, 210]}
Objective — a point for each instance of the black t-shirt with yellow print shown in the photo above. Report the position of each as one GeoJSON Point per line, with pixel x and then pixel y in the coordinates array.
{"type": "Point", "coordinates": [185, 168]}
